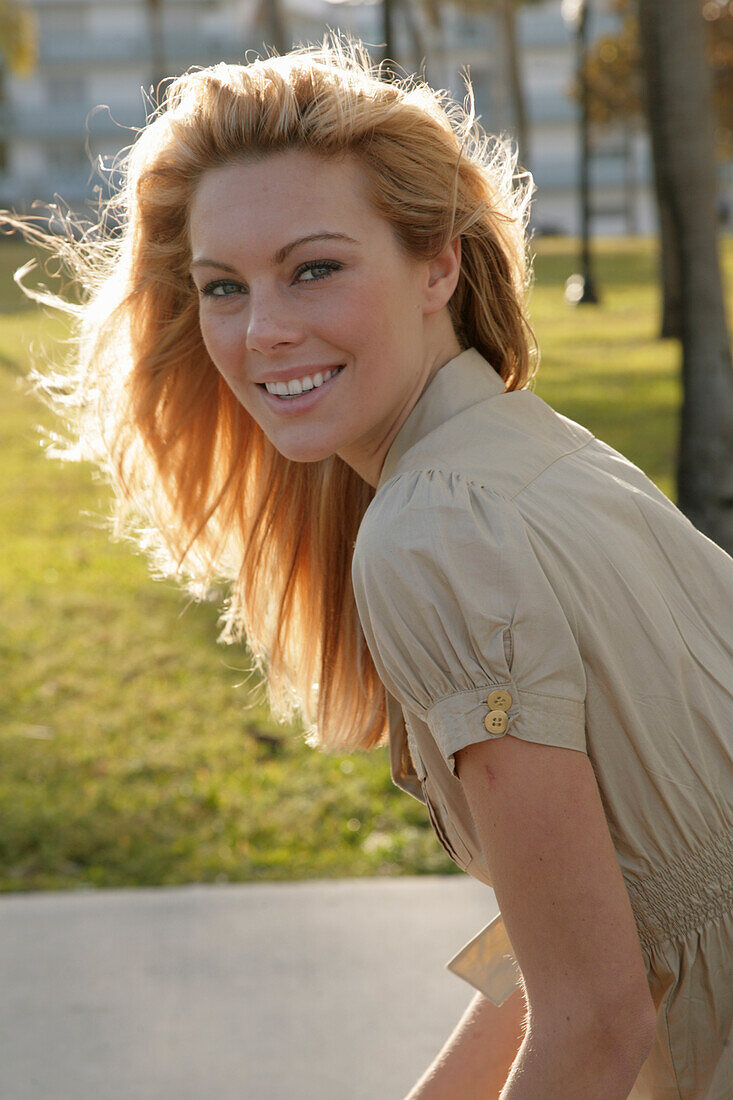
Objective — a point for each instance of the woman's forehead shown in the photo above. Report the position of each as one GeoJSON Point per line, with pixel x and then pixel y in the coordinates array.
{"type": "Point", "coordinates": [285, 193]}
{"type": "Point", "coordinates": [295, 172]}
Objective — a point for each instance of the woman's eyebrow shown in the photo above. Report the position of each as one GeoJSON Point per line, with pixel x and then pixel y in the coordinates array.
{"type": "Point", "coordinates": [283, 252]}
{"type": "Point", "coordinates": [322, 236]}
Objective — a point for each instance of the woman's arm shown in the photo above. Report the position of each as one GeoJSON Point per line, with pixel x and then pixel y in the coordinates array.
{"type": "Point", "coordinates": [475, 1061]}
{"type": "Point", "coordinates": [595, 1067]}
{"type": "Point", "coordinates": [591, 1019]}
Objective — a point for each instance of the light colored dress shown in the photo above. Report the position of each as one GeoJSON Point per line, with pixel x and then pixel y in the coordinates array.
{"type": "Point", "coordinates": [507, 549]}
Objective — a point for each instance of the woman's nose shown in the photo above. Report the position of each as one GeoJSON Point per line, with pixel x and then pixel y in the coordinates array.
{"type": "Point", "coordinates": [271, 323]}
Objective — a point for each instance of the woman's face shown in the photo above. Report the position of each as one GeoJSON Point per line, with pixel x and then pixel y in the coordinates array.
{"type": "Point", "coordinates": [299, 276]}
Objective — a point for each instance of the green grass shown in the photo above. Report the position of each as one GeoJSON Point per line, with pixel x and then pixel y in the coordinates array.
{"type": "Point", "coordinates": [135, 750]}
{"type": "Point", "coordinates": [604, 366]}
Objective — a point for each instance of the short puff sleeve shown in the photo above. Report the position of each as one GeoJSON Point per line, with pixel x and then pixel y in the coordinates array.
{"type": "Point", "coordinates": [454, 604]}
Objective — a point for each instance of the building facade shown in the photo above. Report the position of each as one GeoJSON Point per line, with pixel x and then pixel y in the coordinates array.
{"type": "Point", "coordinates": [100, 59]}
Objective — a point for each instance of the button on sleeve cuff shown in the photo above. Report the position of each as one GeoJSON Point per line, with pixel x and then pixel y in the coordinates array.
{"type": "Point", "coordinates": [459, 720]}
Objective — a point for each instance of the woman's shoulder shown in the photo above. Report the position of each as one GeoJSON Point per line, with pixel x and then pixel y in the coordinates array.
{"type": "Point", "coordinates": [499, 446]}
{"type": "Point", "coordinates": [428, 513]}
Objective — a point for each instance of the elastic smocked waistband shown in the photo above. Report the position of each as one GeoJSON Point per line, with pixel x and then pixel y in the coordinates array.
{"type": "Point", "coordinates": [684, 895]}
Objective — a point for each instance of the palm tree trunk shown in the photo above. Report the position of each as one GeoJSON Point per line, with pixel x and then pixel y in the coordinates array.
{"type": "Point", "coordinates": [270, 14]}
{"type": "Point", "coordinates": [680, 94]}
{"type": "Point", "coordinates": [419, 51]}
{"type": "Point", "coordinates": [388, 16]}
{"type": "Point", "coordinates": [508, 15]}
{"type": "Point", "coordinates": [157, 52]}
{"type": "Point", "coordinates": [671, 324]}
{"type": "Point", "coordinates": [669, 271]}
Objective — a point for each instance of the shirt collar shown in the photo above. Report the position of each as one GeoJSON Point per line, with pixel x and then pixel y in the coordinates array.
{"type": "Point", "coordinates": [460, 383]}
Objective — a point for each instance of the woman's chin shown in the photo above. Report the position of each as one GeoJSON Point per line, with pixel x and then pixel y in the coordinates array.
{"type": "Point", "coordinates": [311, 452]}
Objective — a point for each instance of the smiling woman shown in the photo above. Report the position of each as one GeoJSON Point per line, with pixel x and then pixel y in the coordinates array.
{"type": "Point", "coordinates": [278, 220]}
{"type": "Point", "coordinates": [305, 364]}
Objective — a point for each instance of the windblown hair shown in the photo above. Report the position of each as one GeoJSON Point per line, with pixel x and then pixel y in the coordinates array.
{"type": "Point", "coordinates": [196, 481]}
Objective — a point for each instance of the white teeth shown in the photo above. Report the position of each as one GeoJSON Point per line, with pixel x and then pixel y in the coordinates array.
{"type": "Point", "coordinates": [300, 385]}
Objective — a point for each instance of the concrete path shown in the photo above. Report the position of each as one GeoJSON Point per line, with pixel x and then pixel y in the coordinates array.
{"type": "Point", "coordinates": [296, 991]}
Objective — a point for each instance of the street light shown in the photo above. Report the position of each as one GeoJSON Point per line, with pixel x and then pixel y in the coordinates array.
{"type": "Point", "coordinates": [579, 288]}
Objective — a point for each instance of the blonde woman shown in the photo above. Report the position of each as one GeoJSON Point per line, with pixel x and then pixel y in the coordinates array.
{"type": "Point", "coordinates": [305, 363]}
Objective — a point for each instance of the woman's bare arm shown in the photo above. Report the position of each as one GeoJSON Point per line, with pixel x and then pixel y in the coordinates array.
{"type": "Point", "coordinates": [591, 1020]}
{"type": "Point", "coordinates": [475, 1061]}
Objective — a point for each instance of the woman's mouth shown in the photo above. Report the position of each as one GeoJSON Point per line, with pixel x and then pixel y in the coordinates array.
{"type": "Point", "coordinates": [301, 401]}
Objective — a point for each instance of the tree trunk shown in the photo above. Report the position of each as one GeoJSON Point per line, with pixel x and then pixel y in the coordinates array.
{"type": "Point", "coordinates": [669, 260]}
{"type": "Point", "coordinates": [419, 51]}
{"type": "Point", "coordinates": [388, 28]}
{"type": "Point", "coordinates": [271, 15]}
{"type": "Point", "coordinates": [157, 50]}
{"type": "Point", "coordinates": [508, 13]}
{"type": "Point", "coordinates": [681, 118]}
{"type": "Point", "coordinates": [669, 271]}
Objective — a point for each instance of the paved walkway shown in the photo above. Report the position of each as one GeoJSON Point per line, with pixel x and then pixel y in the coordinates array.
{"type": "Point", "coordinates": [296, 991]}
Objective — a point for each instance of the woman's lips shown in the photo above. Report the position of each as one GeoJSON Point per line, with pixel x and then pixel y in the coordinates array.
{"type": "Point", "coordinates": [302, 401]}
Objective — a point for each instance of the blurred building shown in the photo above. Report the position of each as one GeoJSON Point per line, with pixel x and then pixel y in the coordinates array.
{"type": "Point", "coordinates": [98, 60]}
{"type": "Point", "coordinates": [623, 201]}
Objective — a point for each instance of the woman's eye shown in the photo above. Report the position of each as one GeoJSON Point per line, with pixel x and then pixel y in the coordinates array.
{"type": "Point", "coordinates": [311, 272]}
{"type": "Point", "coordinates": [307, 273]}
{"type": "Point", "coordinates": [223, 288]}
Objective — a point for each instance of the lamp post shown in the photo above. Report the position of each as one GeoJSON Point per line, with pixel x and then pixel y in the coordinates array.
{"type": "Point", "coordinates": [580, 288]}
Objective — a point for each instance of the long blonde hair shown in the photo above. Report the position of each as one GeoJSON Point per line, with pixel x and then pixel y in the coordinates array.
{"type": "Point", "coordinates": [196, 480]}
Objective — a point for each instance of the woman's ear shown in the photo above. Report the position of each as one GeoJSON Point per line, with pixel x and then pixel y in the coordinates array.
{"type": "Point", "coordinates": [443, 274]}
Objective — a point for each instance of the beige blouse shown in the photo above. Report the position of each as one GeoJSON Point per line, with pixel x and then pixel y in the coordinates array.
{"type": "Point", "coordinates": [510, 554]}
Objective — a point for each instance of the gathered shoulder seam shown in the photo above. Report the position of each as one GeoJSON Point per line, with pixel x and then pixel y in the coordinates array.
{"type": "Point", "coordinates": [497, 490]}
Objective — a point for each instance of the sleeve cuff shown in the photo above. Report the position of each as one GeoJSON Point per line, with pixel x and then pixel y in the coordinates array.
{"type": "Point", "coordinates": [458, 720]}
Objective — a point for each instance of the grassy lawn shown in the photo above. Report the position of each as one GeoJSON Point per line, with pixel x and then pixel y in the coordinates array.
{"type": "Point", "coordinates": [134, 749]}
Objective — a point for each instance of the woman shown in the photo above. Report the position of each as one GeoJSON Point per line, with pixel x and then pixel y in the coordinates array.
{"type": "Point", "coordinates": [304, 361]}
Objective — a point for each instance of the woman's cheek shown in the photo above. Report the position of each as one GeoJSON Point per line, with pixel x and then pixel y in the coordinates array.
{"type": "Point", "coordinates": [352, 313]}
{"type": "Point", "coordinates": [220, 340]}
